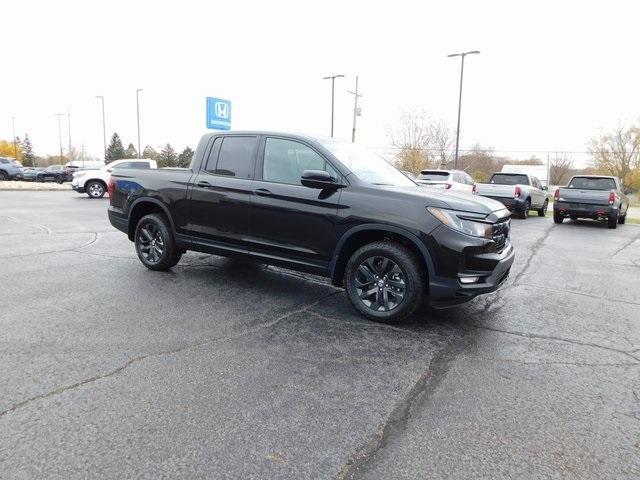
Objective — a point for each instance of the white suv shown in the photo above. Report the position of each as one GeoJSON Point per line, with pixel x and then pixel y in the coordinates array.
{"type": "Point", "coordinates": [453, 180]}
{"type": "Point", "coordinates": [94, 182]}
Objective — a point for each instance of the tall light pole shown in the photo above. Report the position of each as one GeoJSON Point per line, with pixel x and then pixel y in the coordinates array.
{"type": "Point", "coordinates": [333, 81]}
{"type": "Point", "coordinates": [138, 113]}
{"type": "Point", "coordinates": [15, 139]}
{"type": "Point", "coordinates": [60, 133]}
{"type": "Point", "coordinates": [104, 128]}
{"type": "Point", "coordinates": [69, 127]}
{"type": "Point", "coordinates": [463, 54]}
{"type": "Point", "coordinates": [356, 110]}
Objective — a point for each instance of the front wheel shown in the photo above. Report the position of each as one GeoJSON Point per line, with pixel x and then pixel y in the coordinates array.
{"type": "Point", "coordinates": [155, 245]}
{"type": "Point", "coordinates": [3, 176]}
{"type": "Point", "coordinates": [385, 281]}
{"type": "Point", "coordinates": [543, 211]}
{"type": "Point", "coordinates": [95, 189]}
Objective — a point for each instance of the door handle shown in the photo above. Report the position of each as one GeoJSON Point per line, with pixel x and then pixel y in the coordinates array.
{"type": "Point", "coordinates": [263, 192]}
{"type": "Point", "coordinates": [203, 184]}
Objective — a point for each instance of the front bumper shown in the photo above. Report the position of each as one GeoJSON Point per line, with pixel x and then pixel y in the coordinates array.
{"type": "Point", "coordinates": [513, 204]}
{"type": "Point", "coordinates": [77, 187]}
{"type": "Point", "coordinates": [466, 266]}
{"type": "Point", "coordinates": [584, 210]}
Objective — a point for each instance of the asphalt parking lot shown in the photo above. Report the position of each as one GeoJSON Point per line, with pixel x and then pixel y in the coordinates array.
{"type": "Point", "coordinates": [224, 370]}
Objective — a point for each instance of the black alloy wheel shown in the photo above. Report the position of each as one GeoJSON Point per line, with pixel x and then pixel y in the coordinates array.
{"type": "Point", "coordinates": [155, 244]}
{"type": "Point", "coordinates": [380, 284]}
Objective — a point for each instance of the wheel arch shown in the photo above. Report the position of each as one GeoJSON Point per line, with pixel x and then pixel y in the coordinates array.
{"type": "Point", "coordinates": [145, 206]}
{"type": "Point", "coordinates": [360, 235]}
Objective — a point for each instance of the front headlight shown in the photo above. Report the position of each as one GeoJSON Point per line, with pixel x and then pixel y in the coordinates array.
{"type": "Point", "coordinates": [460, 221]}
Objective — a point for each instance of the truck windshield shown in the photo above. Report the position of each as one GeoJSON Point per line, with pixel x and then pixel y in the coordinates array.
{"type": "Point", "coordinates": [590, 183]}
{"type": "Point", "coordinates": [366, 165]}
{"type": "Point", "coordinates": [509, 179]}
{"type": "Point", "coordinates": [437, 176]}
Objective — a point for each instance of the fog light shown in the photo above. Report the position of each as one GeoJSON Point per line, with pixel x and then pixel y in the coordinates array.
{"type": "Point", "coordinates": [469, 279]}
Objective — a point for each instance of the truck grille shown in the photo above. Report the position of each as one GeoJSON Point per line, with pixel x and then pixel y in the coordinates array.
{"type": "Point", "coordinates": [501, 233]}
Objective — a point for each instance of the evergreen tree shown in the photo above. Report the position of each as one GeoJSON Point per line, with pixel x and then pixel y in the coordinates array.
{"type": "Point", "coordinates": [150, 153]}
{"type": "Point", "coordinates": [131, 152]}
{"type": "Point", "coordinates": [115, 150]}
{"type": "Point", "coordinates": [28, 157]}
{"type": "Point", "coordinates": [184, 159]}
{"type": "Point", "coordinates": [167, 157]}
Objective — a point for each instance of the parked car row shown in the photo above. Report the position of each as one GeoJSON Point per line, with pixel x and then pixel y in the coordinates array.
{"type": "Point", "coordinates": [10, 169]}
{"type": "Point", "coordinates": [94, 182]}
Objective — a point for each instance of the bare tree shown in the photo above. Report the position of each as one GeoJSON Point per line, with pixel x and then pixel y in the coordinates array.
{"type": "Point", "coordinates": [618, 154]}
{"type": "Point", "coordinates": [420, 141]}
{"type": "Point", "coordinates": [560, 169]}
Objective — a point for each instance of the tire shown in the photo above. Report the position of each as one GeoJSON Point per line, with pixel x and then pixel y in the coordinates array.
{"type": "Point", "coordinates": [95, 189]}
{"type": "Point", "coordinates": [558, 218]}
{"type": "Point", "coordinates": [622, 219]}
{"type": "Point", "coordinates": [3, 176]}
{"type": "Point", "coordinates": [39, 179]}
{"type": "Point", "coordinates": [394, 276]}
{"type": "Point", "coordinates": [543, 211]}
{"type": "Point", "coordinates": [155, 245]}
{"type": "Point", "coordinates": [524, 214]}
{"type": "Point", "coordinates": [612, 222]}
{"type": "Point", "coordinates": [60, 180]}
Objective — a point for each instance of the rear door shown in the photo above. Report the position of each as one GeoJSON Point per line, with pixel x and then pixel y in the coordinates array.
{"type": "Point", "coordinates": [221, 192]}
{"type": "Point", "coordinates": [291, 222]}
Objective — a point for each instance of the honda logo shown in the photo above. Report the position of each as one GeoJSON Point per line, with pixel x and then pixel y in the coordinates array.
{"type": "Point", "coordinates": [222, 110]}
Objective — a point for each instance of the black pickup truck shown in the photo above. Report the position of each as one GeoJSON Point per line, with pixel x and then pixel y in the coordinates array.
{"type": "Point", "coordinates": [591, 196]}
{"type": "Point", "coordinates": [319, 206]}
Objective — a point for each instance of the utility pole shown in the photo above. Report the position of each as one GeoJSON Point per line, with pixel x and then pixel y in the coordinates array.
{"type": "Point", "coordinates": [69, 128]}
{"type": "Point", "coordinates": [356, 110]}
{"type": "Point", "coordinates": [138, 112]}
{"type": "Point", "coordinates": [60, 133]}
{"type": "Point", "coordinates": [15, 139]}
{"type": "Point", "coordinates": [104, 128]}
{"type": "Point", "coordinates": [333, 81]}
{"type": "Point", "coordinates": [82, 154]}
{"type": "Point", "coordinates": [463, 54]}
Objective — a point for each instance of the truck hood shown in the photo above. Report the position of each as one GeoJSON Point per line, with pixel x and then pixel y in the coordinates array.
{"type": "Point", "coordinates": [463, 202]}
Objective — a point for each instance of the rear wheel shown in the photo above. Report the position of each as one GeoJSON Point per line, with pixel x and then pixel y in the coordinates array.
{"type": "Point", "coordinates": [95, 189]}
{"type": "Point", "coordinates": [155, 245]}
{"type": "Point", "coordinates": [543, 211]}
{"type": "Point", "coordinates": [557, 217]}
{"type": "Point", "coordinates": [622, 219]}
{"type": "Point", "coordinates": [385, 281]}
{"type": "Point", "coordinates": [3, 176]}
{"type": "Point", "coordinates": [524, 214]}
{"type": "Point", "coordinates": [612, 221]}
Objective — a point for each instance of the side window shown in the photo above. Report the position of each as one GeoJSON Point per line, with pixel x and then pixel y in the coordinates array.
{"type": "Point", "coordinates": [469, 179]}
{"type": "Point", "coordinates": [213, 155]}
{"type": "Point", "coordinates": [236, 156]}
{"type": "Point", "coordinates": [124, 165]}
{"type": "Point", "coordinates": [139, 165]}
{"type": "Point", "coordinates": [285, 160]}
{"type": "Point", "coordinates": [2, 160]}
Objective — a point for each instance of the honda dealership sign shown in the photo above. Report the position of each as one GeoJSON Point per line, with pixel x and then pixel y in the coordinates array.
{"type": "Point", "coordinates": [218, 113]}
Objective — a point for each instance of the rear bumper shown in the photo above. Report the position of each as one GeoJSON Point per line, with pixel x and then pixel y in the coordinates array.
{"type": "Point", "coordinates": [118, 220]}
{"type": "Point", "coordinates": [513, 204]}
{"type": "Point", "coordinates": [584, 210]}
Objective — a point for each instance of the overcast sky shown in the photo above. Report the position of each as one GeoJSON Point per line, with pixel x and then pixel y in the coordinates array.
{"type": "Point", "coordinates": [550, 74]}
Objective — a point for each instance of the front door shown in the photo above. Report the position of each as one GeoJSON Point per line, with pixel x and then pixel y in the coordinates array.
{"type": "Point", "coordinates": [289, 221]}
{"type": "Point", "coordinates": [221, 193]}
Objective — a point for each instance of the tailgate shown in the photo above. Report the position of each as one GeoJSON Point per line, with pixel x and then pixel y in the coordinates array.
{"type": "Point", "coordinates": [585, 197]}
{"type": "Point", "coordinates": [495, 190]}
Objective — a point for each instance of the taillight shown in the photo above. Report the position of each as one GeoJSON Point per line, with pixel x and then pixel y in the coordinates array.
{"type": "Point", "coordinates": [556, 195]}
{"type": "Point", "coordinates": [612, 198]}
{"type": "Point", "coordinates": [474, 189]}
{"type": "Point", "coordinates": [517, 192]}
{"type": "Point", "coordinates": [111, 186]}
{"type": "Point", "coordinates": [447, 186]}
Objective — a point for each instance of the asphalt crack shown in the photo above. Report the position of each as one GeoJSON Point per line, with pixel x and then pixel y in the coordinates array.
{"type": "Point", "coordinates": [629, 353]}
{"type": "Point", "coordinates": [160, 353]}
{"type": "Point", "coordinates": [397, 420]}
{"type": "Point", "coordinates": [534, 251]}
{"type": "Point", "coordinates": [625, 245]}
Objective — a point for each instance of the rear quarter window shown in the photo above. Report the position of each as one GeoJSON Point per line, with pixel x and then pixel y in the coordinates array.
{"type": "Point", "coordinates": [434, 176]}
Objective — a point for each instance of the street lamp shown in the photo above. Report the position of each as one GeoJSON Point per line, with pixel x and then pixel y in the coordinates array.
{"type": "Point", "coordinates": [15, 139]}
{"type": "Point", "coordinates": [463, 54]}
{"type": "Point", "coordinates": [60, 133]}
{"type": "Point", "coordinates": [104, 128]}
{"type": "Point", "coordinates": [333, 81]}
{"type": "Point", "coordinates": [356, 110]}
{"type": "Point", "coordinates": [138, 113]}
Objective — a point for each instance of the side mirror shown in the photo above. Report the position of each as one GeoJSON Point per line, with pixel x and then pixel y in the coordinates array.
{"type": "Point", "coordinates": [318, 179]}
{"type": "Point", "coordinates": [544, 187]}
{"type": "Point", "coordinates": [110, 170]}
